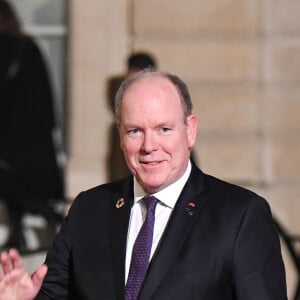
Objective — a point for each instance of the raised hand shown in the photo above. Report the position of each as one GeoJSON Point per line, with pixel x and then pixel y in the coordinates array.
{"type": "Point", "coordinates": [15, 282]}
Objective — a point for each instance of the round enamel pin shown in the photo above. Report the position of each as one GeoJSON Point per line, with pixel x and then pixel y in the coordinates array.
{"type": "Point", "coordinates": [120, 203]}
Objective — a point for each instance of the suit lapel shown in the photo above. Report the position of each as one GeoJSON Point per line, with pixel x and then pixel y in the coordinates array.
{"type": "Point", "coordinates": [120, 214]}
{"type": "Point", "coordinates": [181, 222]}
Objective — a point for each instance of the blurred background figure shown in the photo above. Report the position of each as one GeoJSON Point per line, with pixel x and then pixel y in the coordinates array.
{"type": "Point", "coordinates": [136, 62]}
{"type": "Point", "coordinates": [30, 178]}
{"type": "Point", "coordinates": [139, 61]}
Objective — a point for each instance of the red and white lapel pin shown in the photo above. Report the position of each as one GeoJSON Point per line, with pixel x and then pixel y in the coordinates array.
{"type": "Point", "coordinates": [190, 207]}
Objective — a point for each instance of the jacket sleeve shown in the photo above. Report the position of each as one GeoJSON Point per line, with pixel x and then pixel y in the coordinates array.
{"type": "Point", "coordinates": [258, 269]}
{"type": "Point", "coordinates": [57, 281]}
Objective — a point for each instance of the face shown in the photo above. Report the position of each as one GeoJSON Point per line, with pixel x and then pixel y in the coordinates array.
{"type": "Point", "coordinates": [155, 138]}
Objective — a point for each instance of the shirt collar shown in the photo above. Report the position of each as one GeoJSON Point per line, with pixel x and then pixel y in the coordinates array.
{"type": "Point", "coordinates": [169, 195]}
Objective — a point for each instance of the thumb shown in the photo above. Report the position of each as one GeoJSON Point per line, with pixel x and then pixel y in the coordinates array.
{"type": "Point", "coordinates": [38, 277]}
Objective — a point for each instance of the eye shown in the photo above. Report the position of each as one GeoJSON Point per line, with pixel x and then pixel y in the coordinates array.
{"type": "Point", "coordinates": [165, 130]}
{"type": "Point", "coordinates": [134, 132]}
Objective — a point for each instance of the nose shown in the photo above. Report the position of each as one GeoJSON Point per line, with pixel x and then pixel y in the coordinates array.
{"type": "Point", "coordinates": [150, 142]}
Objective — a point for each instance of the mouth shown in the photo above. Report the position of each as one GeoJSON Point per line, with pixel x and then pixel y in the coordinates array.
{"type": "Point", "coordinates": [151, 163]}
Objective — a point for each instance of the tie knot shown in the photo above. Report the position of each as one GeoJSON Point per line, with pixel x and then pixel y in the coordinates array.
{"type": "Point", "coordinates": [150, 202]}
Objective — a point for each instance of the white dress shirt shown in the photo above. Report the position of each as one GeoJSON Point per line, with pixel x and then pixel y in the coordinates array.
{"type": "Point", "coordinates": [167, 200]}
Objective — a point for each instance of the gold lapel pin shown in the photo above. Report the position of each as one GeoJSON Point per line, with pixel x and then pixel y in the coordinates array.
{"type": "Point", "coordinates": [120, 203]}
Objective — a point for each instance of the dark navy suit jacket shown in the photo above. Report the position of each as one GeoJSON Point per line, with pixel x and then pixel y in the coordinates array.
{"type": "Point", "coordinates": [220, 244]}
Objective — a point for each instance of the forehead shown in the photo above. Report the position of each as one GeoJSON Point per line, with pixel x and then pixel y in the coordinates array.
{"type": "Point", "coordinates": [151, 101]}
{"type": "Point", "coordinates": [147, 90]}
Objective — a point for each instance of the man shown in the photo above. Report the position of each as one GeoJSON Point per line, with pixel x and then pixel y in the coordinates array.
{"type": "Point", "coordinates": [212, 240]}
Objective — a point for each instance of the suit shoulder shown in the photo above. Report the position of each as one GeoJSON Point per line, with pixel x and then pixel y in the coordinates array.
{"type": "Point", "coordinates": [104, 191]}
{"type": "Point", "coordinates": [227, 192]}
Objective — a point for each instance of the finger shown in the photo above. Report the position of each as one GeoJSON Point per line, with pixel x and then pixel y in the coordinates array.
{"type": "Point", "coordinates": [3, 256]}
{"type": "Point", "coordinates": [6, 262]}
{"type": "Point", "coordinates": [16, 258]}
{"type": "Point", "coordinates": [1, 269]}
{"type": "Point", "coordinates": [38, 276]}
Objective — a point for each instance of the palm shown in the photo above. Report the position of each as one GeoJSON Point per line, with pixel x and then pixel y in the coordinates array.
{"type": "Point", "coordinates": [18, 285]}
{"type": "Point", "coordinates": [15, 282]}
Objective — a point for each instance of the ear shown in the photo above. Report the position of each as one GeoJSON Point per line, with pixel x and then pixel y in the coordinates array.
{"type": "Point", "coordinates": [192, 124]}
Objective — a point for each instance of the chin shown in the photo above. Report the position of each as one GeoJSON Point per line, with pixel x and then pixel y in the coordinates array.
{"type": "Point", "coordinates": [153, 186]}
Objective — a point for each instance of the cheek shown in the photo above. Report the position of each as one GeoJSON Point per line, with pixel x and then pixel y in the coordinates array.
{"type": "Point", "coordinates": [130, 147]}
{"type": "Point", "coordinates": [175, 148]}
{"type": "Point", "coordinates": [180, 143]}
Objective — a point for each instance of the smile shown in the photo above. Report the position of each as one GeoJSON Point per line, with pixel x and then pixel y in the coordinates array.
{"type": "Point", "coordinates": [151, 163]}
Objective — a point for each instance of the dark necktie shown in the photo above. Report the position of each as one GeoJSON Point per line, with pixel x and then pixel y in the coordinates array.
{"type": "Point", "coordinates": [141, 252]}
